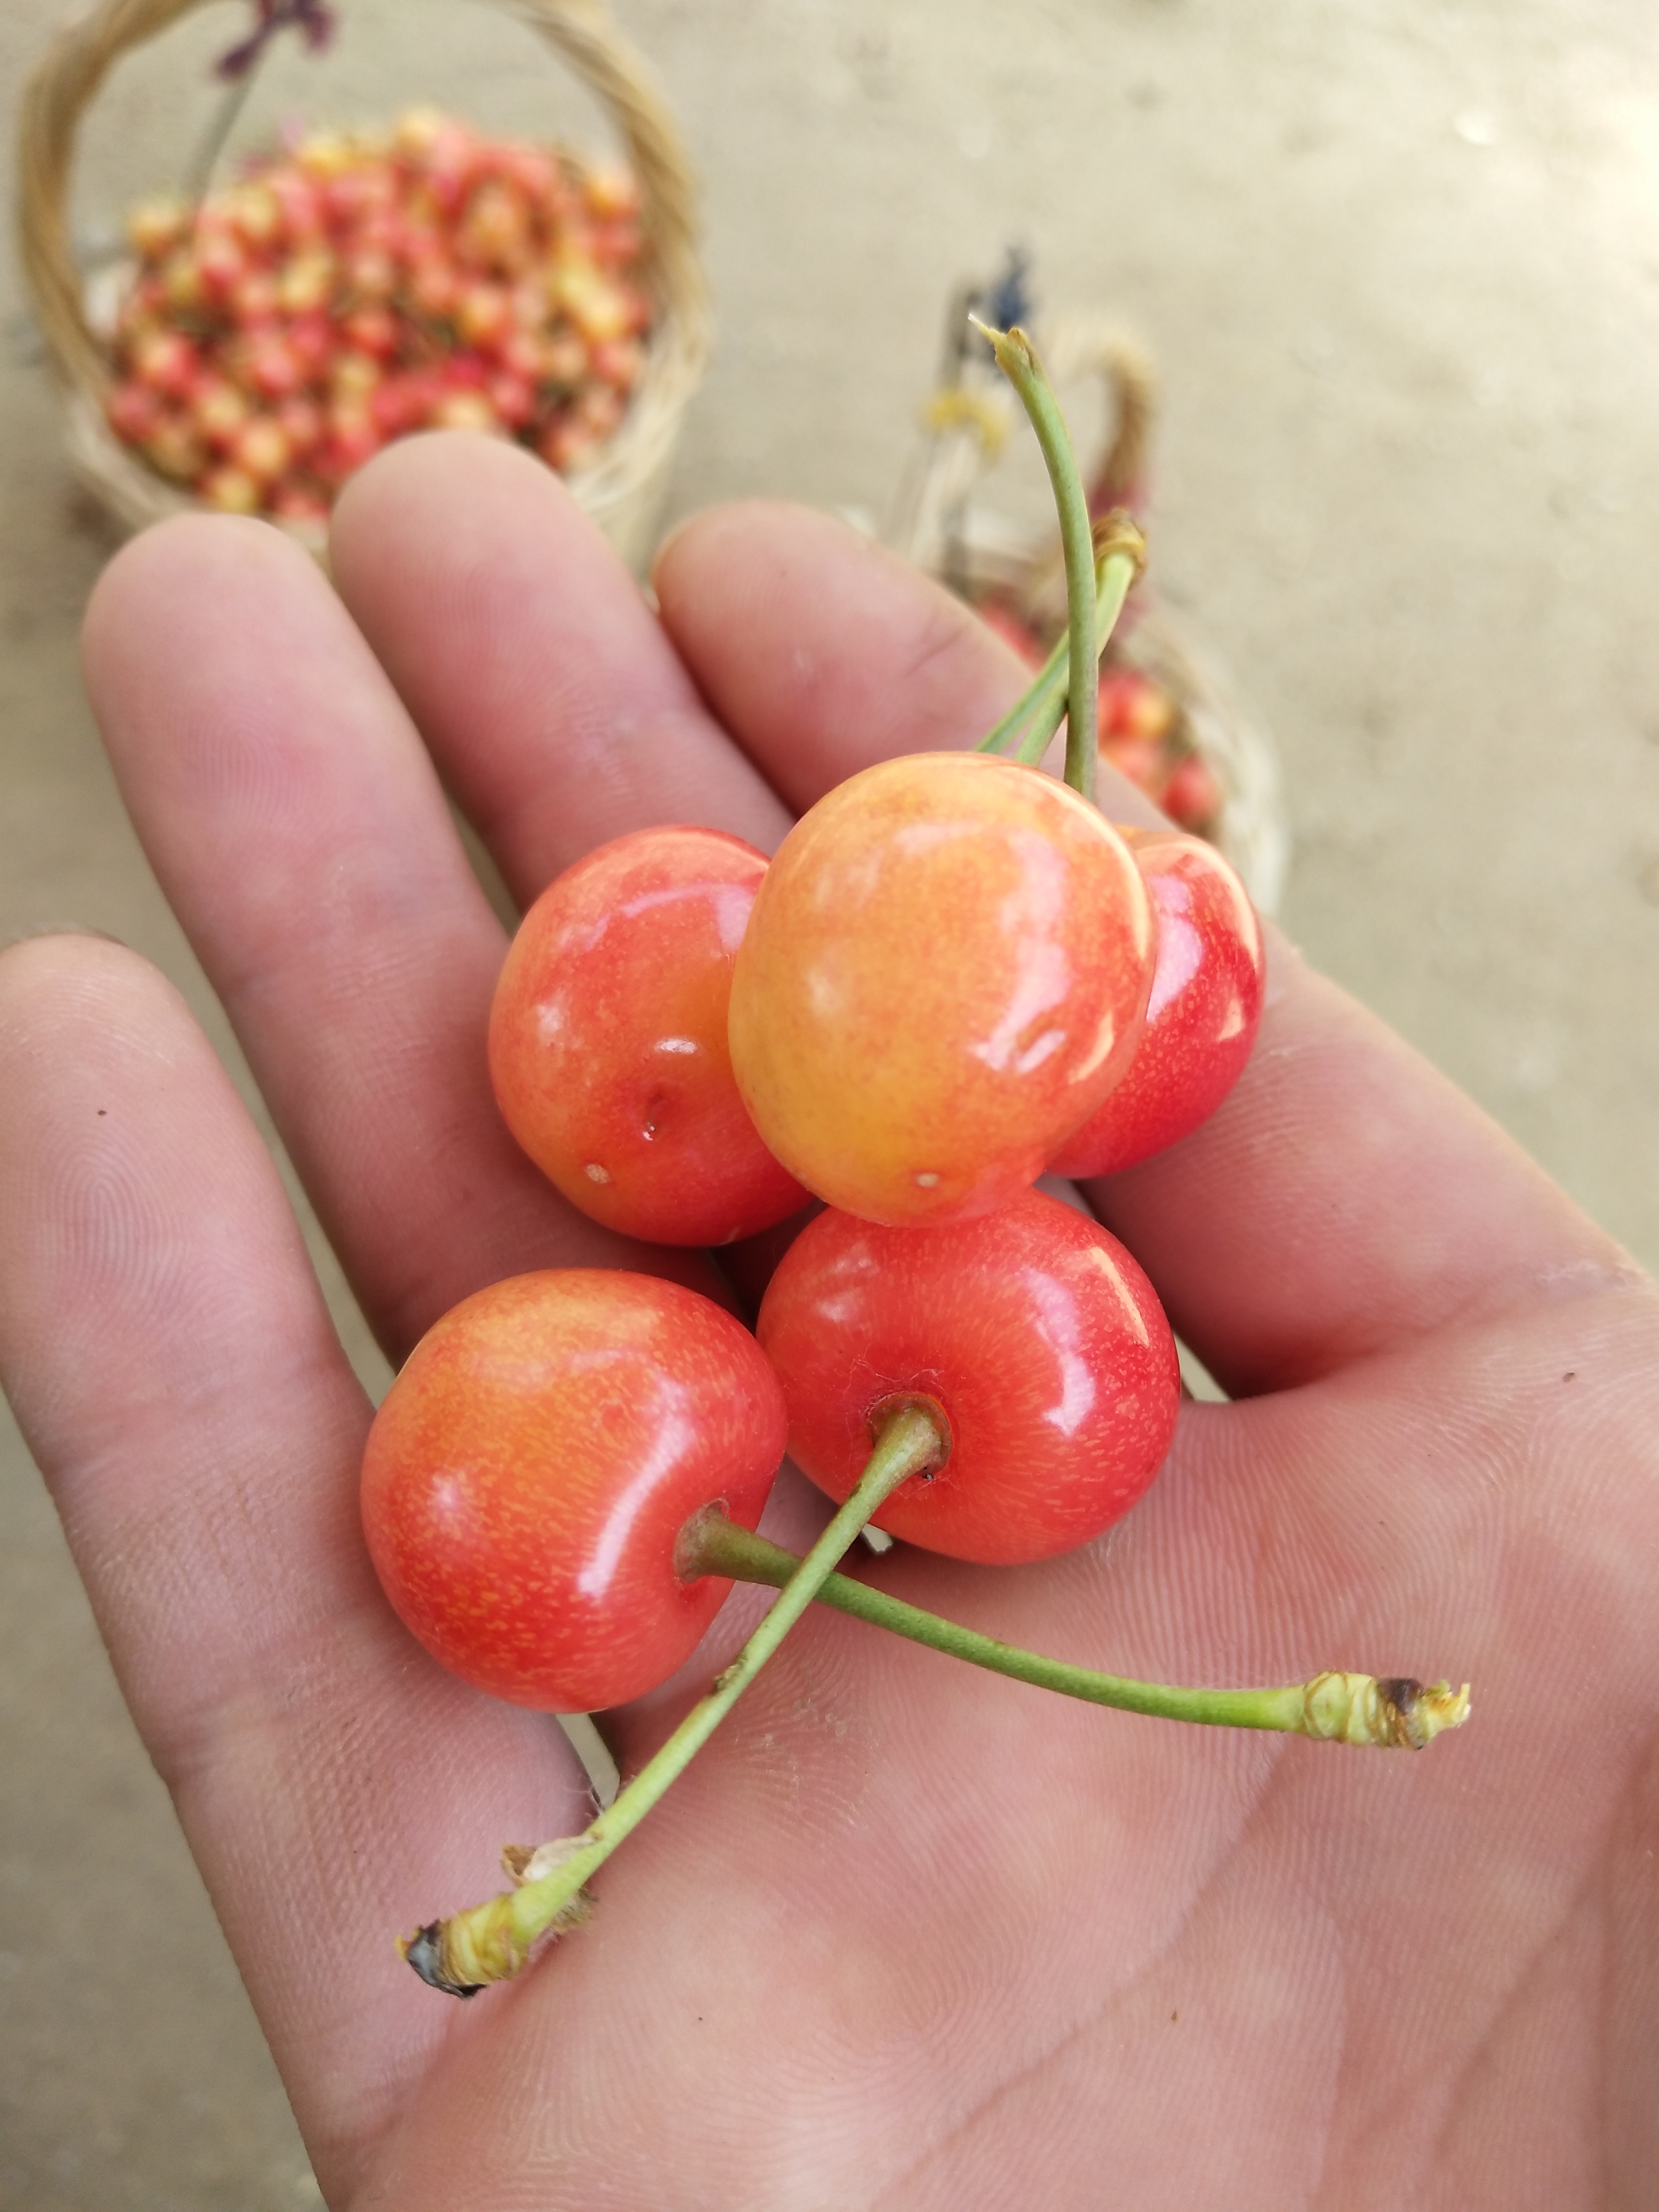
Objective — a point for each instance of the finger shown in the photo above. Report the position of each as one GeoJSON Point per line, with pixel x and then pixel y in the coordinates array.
{"type": "Point", "coordinates": [1344, 1196]}
{"type": "Point", "coordinates": [301, 834]}
{"type": "Point", "coordinates": [558, 714]}
{"type": "Point", "coordinates": [856, 656]}
{"type": "Point", "coordinates": [170, 1360]}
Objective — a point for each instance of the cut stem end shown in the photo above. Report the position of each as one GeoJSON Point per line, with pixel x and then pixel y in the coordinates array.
{"type": "Point", "coordinates": [1391, 1711]}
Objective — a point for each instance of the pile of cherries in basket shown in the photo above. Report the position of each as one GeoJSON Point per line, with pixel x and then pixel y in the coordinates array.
{"type": "Point", "coordinates": [276, 334]}
{"type": "Point", "coordinates": [953, 976]}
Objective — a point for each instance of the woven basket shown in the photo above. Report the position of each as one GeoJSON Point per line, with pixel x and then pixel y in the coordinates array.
{"type": "Point", "coordinates": [623, 490]}
{"type": "Point", "coordinates": [942, 522]}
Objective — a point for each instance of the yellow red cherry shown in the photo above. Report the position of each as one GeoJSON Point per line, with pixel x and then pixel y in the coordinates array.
{"type": "Point", "coordinates": [1201, 1018]}
{"type": "Point", "coordinates": [608, 1040]}
{"type": "Point", "coordinates": [947, 969]}
{"type": "Point", "coordinates": [1030, 1334]}
{"type": "Point", "coordinates": [529, 1472]}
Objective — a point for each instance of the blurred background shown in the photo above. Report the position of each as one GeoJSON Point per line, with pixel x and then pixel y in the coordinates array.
{"type": "Point", "coordinates": [1398, 268]}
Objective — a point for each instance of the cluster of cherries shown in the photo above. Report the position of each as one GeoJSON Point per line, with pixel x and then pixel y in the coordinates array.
{"type": "Point", "coordinates": [954, 976]}
{"type": "Point", "coordinates": [1143, 730]}
{"type": "Point", "coordinates": [276, 334]}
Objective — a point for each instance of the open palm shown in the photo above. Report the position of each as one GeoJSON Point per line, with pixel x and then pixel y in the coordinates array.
{"type": "Point", "coordinates": [906, 1936]}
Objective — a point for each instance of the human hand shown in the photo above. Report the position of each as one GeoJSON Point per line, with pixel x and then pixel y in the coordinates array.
{"type": "Point", "coordinates": [905, 1936]}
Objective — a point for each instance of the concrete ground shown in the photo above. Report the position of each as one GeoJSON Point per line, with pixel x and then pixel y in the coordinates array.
{"type": "Point", "coordinates": [1399, 267]}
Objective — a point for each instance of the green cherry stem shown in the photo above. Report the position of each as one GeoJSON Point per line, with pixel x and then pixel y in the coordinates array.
{"type": "Point", "coordinates": [489, 1942]}
{"type": "Point", "coordinates": [1333, 1707]}
{"type": "Point", "coordinates": [1118, 572]}
{"type": "Point", "coordinates": [1040, 731]}
{"type": "Point", "coordinates": [1048, 684]}
{"type": "Point", "coordinates": [1120, 558]}
{"type": "Point", "coordinates": [1018, 360]}
{"type": "Point", "coordinates": [1042, 705]}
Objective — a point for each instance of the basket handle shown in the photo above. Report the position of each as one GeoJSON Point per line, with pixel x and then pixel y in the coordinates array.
{"type": "Point", "coordinates": [70, 73]}
{"type": "Point", "coordinates": [1088, 345]}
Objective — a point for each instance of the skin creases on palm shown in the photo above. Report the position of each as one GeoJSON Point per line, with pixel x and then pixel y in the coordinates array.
{"type": "Point", "coordinates": [905, 1935]}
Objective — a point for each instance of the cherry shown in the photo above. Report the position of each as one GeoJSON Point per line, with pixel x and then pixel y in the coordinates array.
{"type": "Point", "coordinates": [1193, 797]}
{"type": "Point", "coordinates": [1142, 761]}
{"type": "Point", "coordinates": [1032, 1336]}
{"type": "Point", "coordinates": [1132, 705]}
{"type": "Point", "coordinates": [512, 399]}
{"type": "Point", "coordinates": [154, 225]}
{"type": "Point", "coordinates": [220, 412]}
{"type": "Point", "coordinates": [530, 1468]}
{"type": "Point", "coordinates": [608, 1040]}
{"type": "Point", "coordinates": [1202, 1016]}
{"type": "Point", "coordinates": [943, 975]}
{"type": "Point", "coordinates": [166, 361]}
{"type": "Point", "coordinates": [133, 410]}
{"type": "Point", "coordinates": [173, 447]}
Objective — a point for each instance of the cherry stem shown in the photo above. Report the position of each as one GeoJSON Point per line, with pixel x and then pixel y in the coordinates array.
{"type": "Point", "coordinates": [1118, 569]}
{"type": "Point", "coordinates": [1017, 358]}
{"type": "Point", "coordinates": [1333, 1708]}
{"type": "Point", "coordinates": [489, 1942]}
{"type": "Point", "coordinates": [1040, 709]}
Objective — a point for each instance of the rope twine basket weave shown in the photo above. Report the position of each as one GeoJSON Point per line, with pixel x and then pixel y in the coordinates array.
{"type": "Point", "coordinates": [941, 522]}
{"type": "Point", "coordinates": [623, 489]}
